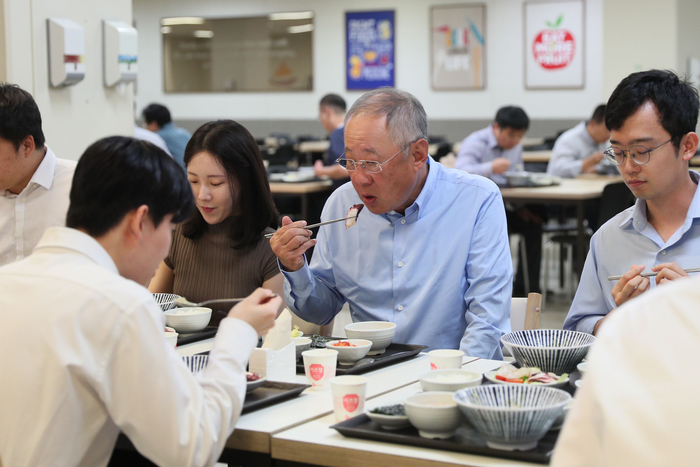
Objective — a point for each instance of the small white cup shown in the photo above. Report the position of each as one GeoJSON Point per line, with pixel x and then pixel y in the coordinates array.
{"type": "Point", "coordinates": [319, 366]}
{"type": "Point", "coordinates": [348, 396]}
{"type": "Point", "coordinates": [445, 358]}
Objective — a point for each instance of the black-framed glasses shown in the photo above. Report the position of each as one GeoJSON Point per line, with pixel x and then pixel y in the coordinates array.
{"type": "Point", "coordinates": [373, 167]}
{"type": "Point", "coordinates": [639, 154]}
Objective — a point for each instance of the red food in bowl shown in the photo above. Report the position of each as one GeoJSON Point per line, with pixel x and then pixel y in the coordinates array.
{"type": "Point", "coordinates": [252, 376]}
{"type": "Point", "coordinates": [343, 344]}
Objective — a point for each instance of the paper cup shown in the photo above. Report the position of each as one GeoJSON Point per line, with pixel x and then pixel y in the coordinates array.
{"type": "Point", "coordinates": [319, 366]}
{"type": "Point", "coordinates": [348, 396]}
{"type": "Point", "coordinates": [445, 358]}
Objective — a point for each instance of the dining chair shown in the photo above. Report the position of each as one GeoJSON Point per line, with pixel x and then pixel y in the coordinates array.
{"type": "Point", "coordinates": [525, 312]}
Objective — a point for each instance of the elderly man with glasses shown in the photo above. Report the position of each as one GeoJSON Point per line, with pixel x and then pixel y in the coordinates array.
{"type": "Point", "coordinates": [652, 117]}
{"type": "Point", "coordinates": [430, 251]}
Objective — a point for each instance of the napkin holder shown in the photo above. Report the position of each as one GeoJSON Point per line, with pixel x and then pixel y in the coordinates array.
{"type": "Point", "coordinates": [276, 365]}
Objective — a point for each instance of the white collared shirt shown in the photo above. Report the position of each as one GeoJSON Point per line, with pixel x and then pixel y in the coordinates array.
{"type": "Point", "coordinates": [42, 204]}
{"type": "Point", "coordinates": [84, 357]}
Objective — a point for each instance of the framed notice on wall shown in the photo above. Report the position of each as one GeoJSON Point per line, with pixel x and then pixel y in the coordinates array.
{"type": "Point", "coordinates": [458, 58]}
{"type": "Point", "coordinates": [554, 44]}
{"type": "Point", "coordinates": [370, 49]}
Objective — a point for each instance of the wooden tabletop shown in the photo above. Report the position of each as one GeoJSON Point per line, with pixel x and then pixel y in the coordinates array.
{"type": "Point", "coordinates": [316, 443]}
{"type": "Point", "coordinates": [537, 156]}
{"type": "Point", "coordinates": [300, 188]}
{"type": "Point", "coordinates": [570, 189]}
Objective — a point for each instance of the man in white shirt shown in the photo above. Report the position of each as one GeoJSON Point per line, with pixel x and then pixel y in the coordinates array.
{"type": "Point", "coordinates": [84, 355]}
{"type": "Point", "coordinates": [34, 184]}
{"type": "Point", "coordinates": [652, 117]}
{"type": "Point", "coordinates": [151, 137]}
{"type": "Point", "coordinates": [638, 401]}
{"type": "Point", "coordinates": [580, 149]}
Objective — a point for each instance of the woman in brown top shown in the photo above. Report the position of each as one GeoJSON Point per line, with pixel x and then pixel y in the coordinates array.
{"type": "Point", "coordinates": [220, 251]}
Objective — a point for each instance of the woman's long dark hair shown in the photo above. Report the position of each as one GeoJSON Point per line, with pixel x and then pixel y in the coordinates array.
{"type": "Point", "coordinates": [238, 153]}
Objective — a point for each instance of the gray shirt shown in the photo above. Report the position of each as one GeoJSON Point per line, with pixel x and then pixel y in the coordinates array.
{"type": "Point", "coordinates": [570, 149]}
{"type": "Point", "coordinates": [479, 149]}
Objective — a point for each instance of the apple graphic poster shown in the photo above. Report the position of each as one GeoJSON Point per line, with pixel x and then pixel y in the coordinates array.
{"type": "Point", "coordinates": [554, 45]}
{"type": "Point", "coordinates": [370, 49]}
{"type": "Point", "coordinates": [457, 40]}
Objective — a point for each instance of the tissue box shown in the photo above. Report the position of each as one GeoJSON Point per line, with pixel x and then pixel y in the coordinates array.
{"type": "Point", "coordinates": [276, 365]}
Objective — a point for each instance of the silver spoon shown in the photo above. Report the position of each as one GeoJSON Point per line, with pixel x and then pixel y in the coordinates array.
{"type": "Point", "coordinates": [183, 302]}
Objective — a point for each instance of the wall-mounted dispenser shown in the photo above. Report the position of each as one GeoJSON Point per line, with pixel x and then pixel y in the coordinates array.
{"type": "Point", "coordinates": [66, 51]}
{"type": "Point", "coordinates": [120, 52]}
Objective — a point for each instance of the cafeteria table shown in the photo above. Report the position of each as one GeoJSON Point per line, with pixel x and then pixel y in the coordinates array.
{"type": "Point", "coordinates": [576, 192]}
{"type": "Point", "coordinates": [301, 189]}
{"type": "Point", "coordinates": [315, 443]}
{"type": "Point", "coordinates": [250, 443]}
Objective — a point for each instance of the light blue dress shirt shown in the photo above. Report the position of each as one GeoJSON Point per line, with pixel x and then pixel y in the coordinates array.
{"type": "Point", "coordinates": [624, 240]}
{"type": "Point", "coordinates": [176, 139]}
{"type": "Point", "coordinates": [442, 272]}
{"type": "Point", "coordinates": [569, 151]}
{"type": "Point", "coordinates": [478, 150]}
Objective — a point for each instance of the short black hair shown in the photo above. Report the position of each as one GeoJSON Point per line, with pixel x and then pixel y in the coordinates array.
{"type": "Point", "coordinates": [236, 150]}
{"type": "Point", "coordinates": [19, 116]}
{"type": "Point", "coordinates": [675, 99]}
{"type": "Point", "coordinates": [512, 117]}
{"type": "Point", "coordinates": [335, 102]}
{"type": "Point", "coordinates": [157, 113]}
{"type": "Point", "coordinates": [116, 175]}
{"type": "Point", "coordinates": [599, 114]}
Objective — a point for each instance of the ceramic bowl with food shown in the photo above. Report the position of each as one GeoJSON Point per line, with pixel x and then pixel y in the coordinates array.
{"type": "Point", "coordinates": [512, 417]}
{"type": "Point", "coordinates": [188, 319]}
{"type": "Point", "coordinates": [551, 350]}
{"type": "Point", "coordinates": [434, 414]}
{"type": "Point", "coordinates": [254, 381]}
{"type": "Point", "coordinates": [171, 336]}
{"type": "Point", "coordinates": [301, 343]}
{"type": "Point", "coordinates": [350, 350]}
{"type": "Point", "coordinates": [166, 301]}
{"type": "Point", "coordinates": [389, 416]}
{"type": "Point", "coordinates": [380, 333]}
{"type": "Point", "coordinates": [449, 380]}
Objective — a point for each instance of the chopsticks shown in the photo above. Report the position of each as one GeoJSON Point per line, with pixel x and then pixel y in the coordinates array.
{"type": "Point", "coordinates": [650, 274]}
{"type": "Point", "coordinates": [312, 226]}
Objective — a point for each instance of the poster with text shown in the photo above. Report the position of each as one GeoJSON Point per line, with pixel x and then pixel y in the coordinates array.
{"type": "Point", "coordinates": [554, 45]}
{"type": "Point", "coordinates": [370, 49]}
{"type": "Point", "coordinates": [458, 54]}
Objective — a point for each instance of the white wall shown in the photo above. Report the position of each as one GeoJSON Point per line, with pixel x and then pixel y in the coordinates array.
{"type": "Point", "coordinates": [76, 116]}
{"type": "Point", "coordinates": [504, 36]}
{"type": "Point", "coordinates": [688, 32]}
{"type": "Point", "coordinates": [639, 35]}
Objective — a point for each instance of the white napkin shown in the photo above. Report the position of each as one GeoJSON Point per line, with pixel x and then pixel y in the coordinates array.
{"type": "Point", "coordinates": [281, 334]}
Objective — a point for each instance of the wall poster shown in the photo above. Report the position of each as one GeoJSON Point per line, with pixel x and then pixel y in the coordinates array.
{"type": "Point", "coordinates": [370, 49]}
{"type": "Point", "coordinates": [554, 44]}
{"type": "Point", "coordinates": [458, 53]}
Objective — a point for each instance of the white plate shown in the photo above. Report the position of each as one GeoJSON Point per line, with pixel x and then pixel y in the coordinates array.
{"type": "Point", "coordinates": [491, 376]}
{"type": "Point", "coordinates": [255, 384]}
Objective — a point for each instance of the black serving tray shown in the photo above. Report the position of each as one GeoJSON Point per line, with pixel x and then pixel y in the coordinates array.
{"type": "Point", "coordinates": [393, 354]}
{"type": "Point", "coordinates": [206, 333]}
{"type": "Point", "coordinates": [466, 440]}
{"type": "Point", "coordinates": [271, 392]}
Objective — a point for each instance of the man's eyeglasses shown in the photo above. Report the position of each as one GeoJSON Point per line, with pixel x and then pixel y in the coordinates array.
{"type": "Point", "coordinates": [639, 154]}
{"type": "Point", "coordinates": [373, 167]}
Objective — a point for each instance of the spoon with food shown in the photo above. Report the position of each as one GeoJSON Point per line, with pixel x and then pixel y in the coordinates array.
{"type": "Point", "coordinates": [350, 219]}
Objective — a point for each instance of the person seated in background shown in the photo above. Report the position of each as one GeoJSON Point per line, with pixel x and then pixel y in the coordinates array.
{"type": "Point", "coordinates": [651, 116]}
{"type": "Point", "coordinates": [429, 251]}
{"type": "Point", "coordinates": [34, 183]}
{"type": "Point", "coordinates": [491, 152]}
{"type": "Point", "coordinates": [158, 120]}
{"type": "Point", "coordinates": [580, 149]}
{"type": "Point", "coordinates": [153, 138]}
{"type": "Point", "coordinates": [91, 358]}
{"type": "Point", "coordinates": [331, 113]}
{"type": "Point", "coordinates": [636, 405]}
{"type": "Point", "coordinates": [220, 251]}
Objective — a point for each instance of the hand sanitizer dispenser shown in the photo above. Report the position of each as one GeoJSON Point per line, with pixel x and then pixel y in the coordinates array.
{"type": "Point", "coordinates": [121, 49]}
{"type": "Point", "coordinates": [66, 52]}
